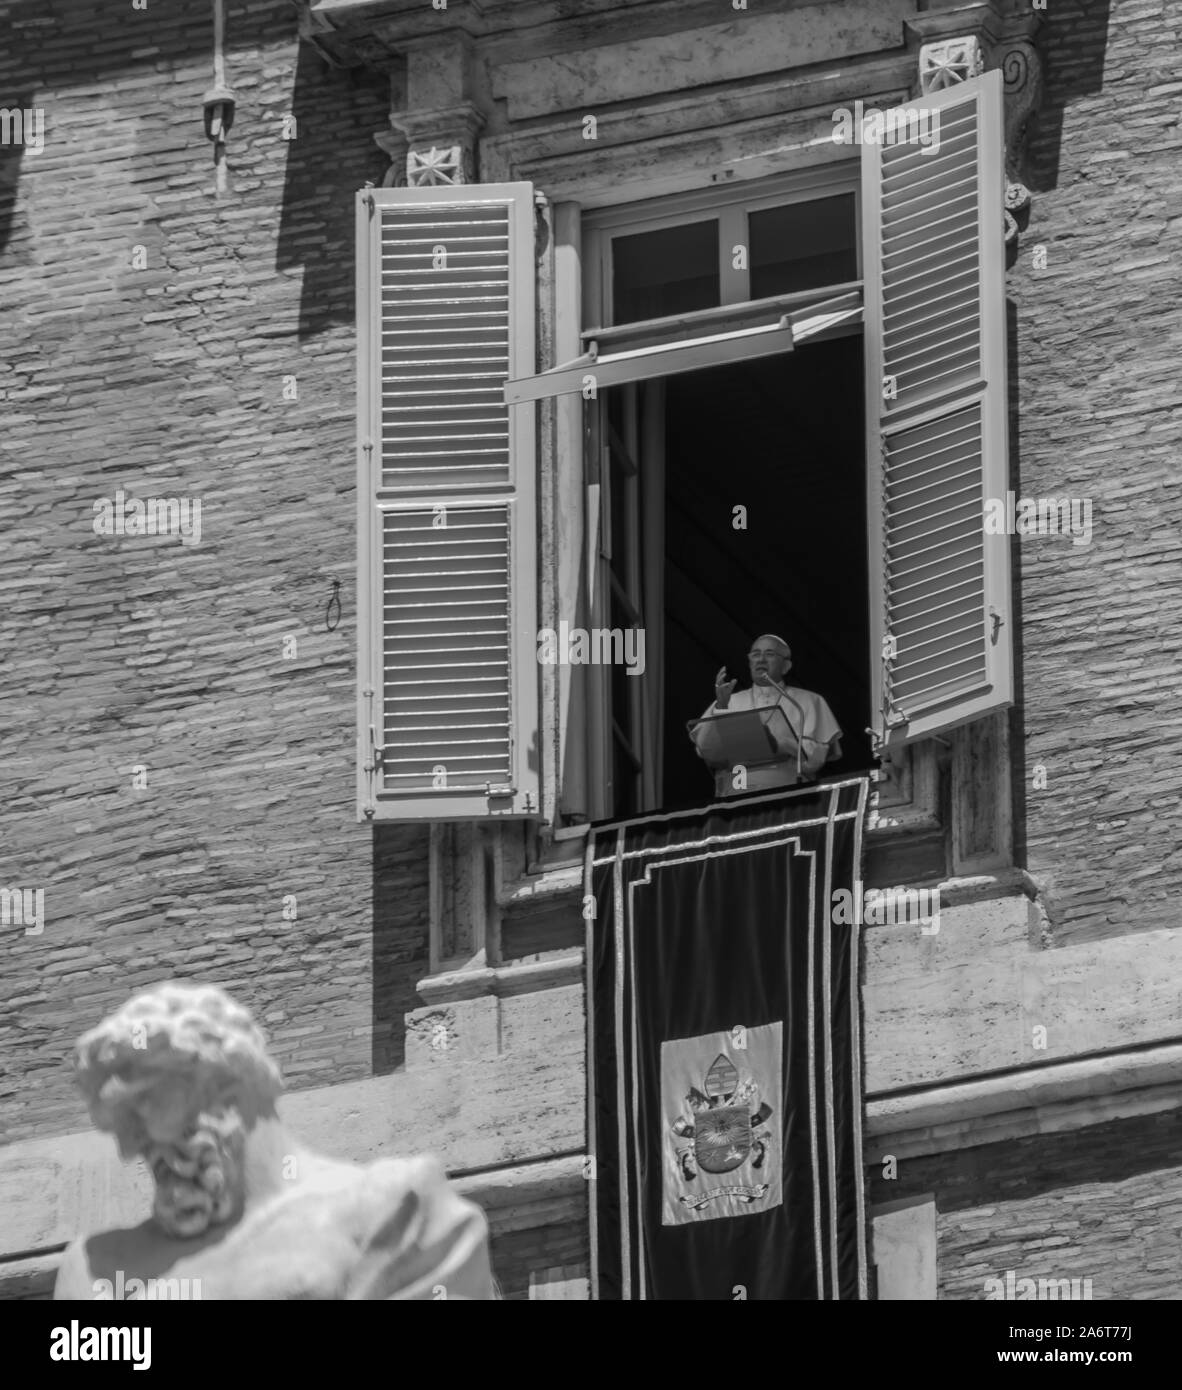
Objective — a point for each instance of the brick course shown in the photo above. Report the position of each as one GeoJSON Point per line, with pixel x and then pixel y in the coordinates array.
{"type": "Point", "coordinates": [142, 651]}
{"type": "Point", "coordinates": [1102, 1203]}
{"type": "Point", "coordinates": [1096, 401]}
{"type": "Point", "coordinates": [520, 1254]}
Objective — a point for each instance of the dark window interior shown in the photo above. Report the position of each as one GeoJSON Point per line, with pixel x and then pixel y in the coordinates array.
{"type": "Point", "coordinates": [803, 246]}
{"type": "Point", "coordinates": [781, 436]}
{"type": "Point", "coordinates": [671, 271]}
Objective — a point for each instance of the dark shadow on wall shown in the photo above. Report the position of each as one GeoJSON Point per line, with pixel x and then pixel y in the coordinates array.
{"type": "Point", "coordinates": [1017, 721]}
{"type": "Point", "coordinates": [1072, 42]}
{"type": "Point", "coordinates": [337, 112]}
{"type": "Point", "coordinates": [401, 931]}
{"type": "Point", "coordinates": [1015, 1170]}
{"type": "Point", "coordinates": [11, 157]}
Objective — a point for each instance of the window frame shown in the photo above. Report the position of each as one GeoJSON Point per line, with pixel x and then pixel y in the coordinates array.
{"type": "Point", "coordinates": [909, 782]}
{"type": "Point", "coordinates": [729, 205]}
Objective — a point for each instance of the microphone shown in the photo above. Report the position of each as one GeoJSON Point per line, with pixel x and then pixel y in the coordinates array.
{"type": "Point", "coordinates": [767, 679]}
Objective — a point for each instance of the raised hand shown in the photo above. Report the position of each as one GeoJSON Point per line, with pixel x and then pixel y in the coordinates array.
{"type": "Point", "coordinates": [723, 689]}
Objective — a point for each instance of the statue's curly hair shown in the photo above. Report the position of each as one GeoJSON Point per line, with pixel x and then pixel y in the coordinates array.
{"type": "Point", "coordinates": [169, 1054]}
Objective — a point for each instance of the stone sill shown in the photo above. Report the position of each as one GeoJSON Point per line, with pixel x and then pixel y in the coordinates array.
{"type": "Point", "coordinates": [502, 981]}
{"type": "Point", "coordinates": [1005, 883]}
{"type": "Point", "coordinates": [1035, 1100]}
{"type": "Point", "coordinates": [504, 1189]}
{"type": "Point", "coordinates": [549, 882]}
{"type": "Point", "coordinates": [977, 888]}
{"type": "Point", "coordinates": [558, 881]}
{"type": "Point", "coordinates": [30, 1276]}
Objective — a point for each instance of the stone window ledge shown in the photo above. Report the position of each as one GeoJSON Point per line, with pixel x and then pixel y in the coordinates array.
{"type": "Point", "coordinates": [502, 981]}
{"type": "Point", "coordinates": [1034, 1100]}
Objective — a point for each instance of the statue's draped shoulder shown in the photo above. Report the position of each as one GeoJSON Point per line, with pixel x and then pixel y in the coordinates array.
{"type": "Point", "coordinates": [423, 1240]}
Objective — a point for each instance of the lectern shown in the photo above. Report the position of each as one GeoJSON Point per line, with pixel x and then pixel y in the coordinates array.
{"type": "Point", "coordinates": [752, 737]}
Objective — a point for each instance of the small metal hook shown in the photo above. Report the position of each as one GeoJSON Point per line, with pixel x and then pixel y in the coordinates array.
{"type": "Point", "coordinates": [329, 621]}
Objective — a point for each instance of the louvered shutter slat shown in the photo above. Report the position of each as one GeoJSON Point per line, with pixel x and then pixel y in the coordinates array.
{"type": "Point", "coordinates": [929, 300]}
{"type": "Point", "coordinates": [936, 418]}
{"type": "Point", "coordinates": [454, 261]}
{"type": "Point", "coordinates": [438, 568]}
{"type": "Point", "coordinates": [450, 474]}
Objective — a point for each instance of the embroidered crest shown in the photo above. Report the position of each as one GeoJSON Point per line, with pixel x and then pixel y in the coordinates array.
{"type": "Point", "coordinates": [722, 1124]}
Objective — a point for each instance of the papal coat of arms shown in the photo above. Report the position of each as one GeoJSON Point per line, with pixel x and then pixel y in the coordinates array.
{"type": "Point", "coordinates": [721, 1122]}
{"type": "Point", "coordinates": [719, 1125]}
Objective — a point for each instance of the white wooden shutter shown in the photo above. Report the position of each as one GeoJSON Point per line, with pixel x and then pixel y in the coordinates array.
{"type": "Point", "coordinates": [448, 677]}
{"type": "Point", "coordinates": [933, 227]}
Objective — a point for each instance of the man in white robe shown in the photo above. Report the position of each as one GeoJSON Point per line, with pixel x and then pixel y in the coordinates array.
{"type": "Point", "coordinates": [811, 739]}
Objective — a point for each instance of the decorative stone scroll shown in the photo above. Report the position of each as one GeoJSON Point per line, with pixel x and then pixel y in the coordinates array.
{"type": "Point", "coordinates": [1021, 71]}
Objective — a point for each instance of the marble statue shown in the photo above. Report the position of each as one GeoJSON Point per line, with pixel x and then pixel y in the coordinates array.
{"type": "Point", "coordinates": [181, 1076]}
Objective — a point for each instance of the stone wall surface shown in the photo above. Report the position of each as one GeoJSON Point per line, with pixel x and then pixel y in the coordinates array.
{"type": "Point", "coordinates": [984, 995]}
{"type": "Point", "coordinates": [1102, 1203]}
{"type": "Point", "coordinates": [1096, 401]}
{"type": "Point", "coordinates": [123, 652]}
{"type": "Point", "coordinates": [183, 792]}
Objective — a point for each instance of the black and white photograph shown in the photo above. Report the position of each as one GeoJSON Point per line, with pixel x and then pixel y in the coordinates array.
{"type": "Point", "coordinates": [590, 662]}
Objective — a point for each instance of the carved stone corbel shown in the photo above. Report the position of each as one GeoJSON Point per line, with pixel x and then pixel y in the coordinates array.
{"type": "Point", "coordinates": [1021, 71]}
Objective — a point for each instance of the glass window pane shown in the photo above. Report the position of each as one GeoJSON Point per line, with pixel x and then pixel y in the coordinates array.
{"type": "Point", "coordinates": [802, 246]}
{"type": "Point", "coordinates": [671, 271]}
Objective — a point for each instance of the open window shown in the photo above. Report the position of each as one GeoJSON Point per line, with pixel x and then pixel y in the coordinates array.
{"type": "Point", "coordinates": [795, 408]}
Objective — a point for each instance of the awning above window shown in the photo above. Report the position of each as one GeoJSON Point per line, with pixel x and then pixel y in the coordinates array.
{"type": "Point", "coordinates": [688, 342]}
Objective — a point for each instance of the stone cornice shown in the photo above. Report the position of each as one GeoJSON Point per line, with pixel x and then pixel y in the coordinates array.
{"type": "Point", "coordinates": [1017, 1104]}
{"type": "Point", "coordinates": [984, 20]}
{"type": "Point", "coordinates": [499, 1189]}
{"type": "Point", "coordinates": [502, 981]}
{"type": "Point", "coordinates": [681, 116]}
{"type": "Point", "coordinates": [469, 66]}
{"type": "Point", "coordinates": [360, 31]}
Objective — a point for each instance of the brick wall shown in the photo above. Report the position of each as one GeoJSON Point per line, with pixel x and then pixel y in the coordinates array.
{"type": "Point", "coordinates": [143, 651]}
{"type": "Point", "coordinates": [1096, 342]}
{"type": "Point", "coordinates": [1102, 1203]}
{"type": "Point", "coordinates": [520, 1256]}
